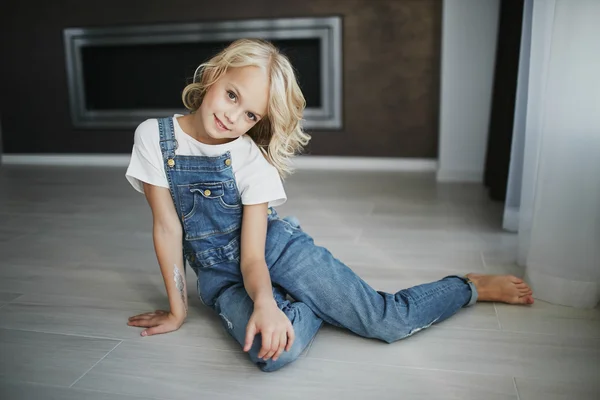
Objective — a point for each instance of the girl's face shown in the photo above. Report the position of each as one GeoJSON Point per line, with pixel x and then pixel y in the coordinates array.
{"type": "Point", "coordinates": [233, 105]}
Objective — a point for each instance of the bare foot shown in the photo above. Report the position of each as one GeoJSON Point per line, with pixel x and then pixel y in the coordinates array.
{"type": "Point", "coordinates": [502, 288]}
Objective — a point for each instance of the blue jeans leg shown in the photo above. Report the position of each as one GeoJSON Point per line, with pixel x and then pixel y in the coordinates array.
{"type": "Point", "coordinates": [235, 308]}
{"type": "Point", "coordinates": [310, 274]}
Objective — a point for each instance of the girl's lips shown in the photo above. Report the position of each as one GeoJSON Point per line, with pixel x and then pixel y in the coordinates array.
{"type": "Point", "coordinates": [220, 125]}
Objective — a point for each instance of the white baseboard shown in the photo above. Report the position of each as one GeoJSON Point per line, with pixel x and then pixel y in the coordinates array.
{"type": "Point", "coordinates": [300, 163]}
{"type": "Point", "coordinates": [454, 175]}
{"type": "Point", "coordinates": [511, 219]}
{"type": "Point", "coordinates": [561, 291]}
{"type": "Point", "coordinates": [68, 160]}
{"type": "Point", "coordinates": [364, 164]}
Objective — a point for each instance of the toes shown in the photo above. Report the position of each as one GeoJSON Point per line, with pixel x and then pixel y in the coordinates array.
{"type": "Point", "coordinates": [521, 300]}
{"type": "Point", "coordinates": [521, 286]}
{"type": "Point", "coordinates": [514, 279]}
{"type": "Point", "coordinates": [524, 300]}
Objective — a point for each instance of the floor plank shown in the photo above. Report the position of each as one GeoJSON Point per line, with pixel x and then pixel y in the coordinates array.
{"type": "Point", "coordinates": [49, 358]}
{"type": "Point", "coordinates": [475, 351]}
{"type": "Point", "coordinates": [197, 370]}
{"type": "Point", "coordinates": [77, 261]}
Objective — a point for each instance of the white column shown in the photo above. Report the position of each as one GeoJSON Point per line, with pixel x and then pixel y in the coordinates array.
{"type": "Point", "coordinates": [469, 35]}
{"type": "Point", "coordinates": [563, 258]}
{"type": "Point", "coordinates": [541, 39]}
{"type": "Point", "coordinates": [512, 203]}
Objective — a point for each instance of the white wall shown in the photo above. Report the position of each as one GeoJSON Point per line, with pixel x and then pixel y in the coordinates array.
{"type": "Point", "coordinates": [469, 31]}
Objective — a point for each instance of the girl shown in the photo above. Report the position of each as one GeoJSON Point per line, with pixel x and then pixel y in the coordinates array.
{"type": "Point", "coordinates": [212, 178]}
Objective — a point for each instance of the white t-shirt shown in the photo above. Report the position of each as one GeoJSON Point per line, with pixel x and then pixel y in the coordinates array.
{"type": "Point", "coordinates": [256, 179]}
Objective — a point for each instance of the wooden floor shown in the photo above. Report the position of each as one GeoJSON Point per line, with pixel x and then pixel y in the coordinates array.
{"type": "Point", "coordinates": [76, 259]}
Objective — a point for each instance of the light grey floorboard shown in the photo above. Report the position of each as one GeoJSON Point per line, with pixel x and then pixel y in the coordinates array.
{"type": "Point", "coordinates": [194, 371]}
{"type": "Point", "coordinates": [551, 319]}
{"type": "Point", "coordinates": [77, 259]}
{"type": "Point", "coordinates": [93, 317]}
{"type": "Point", "coordinates": [7, 297]}
{"type": "Point", "coordinates": [476, 351]}
{"type": "Point", "coordinates": [30, 391]}
{"type": "Point", "coordinates": [540, 389]}
{"type": "Point", "coordinates": [48, 358]}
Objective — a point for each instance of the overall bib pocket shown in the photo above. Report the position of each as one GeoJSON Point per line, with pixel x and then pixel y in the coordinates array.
{"type": "Point", "coordinates": [209, 208]}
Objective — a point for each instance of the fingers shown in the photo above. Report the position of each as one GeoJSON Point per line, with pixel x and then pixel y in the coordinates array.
{"type": "Point", "coordinates": [250, 333]}
{"type": "Point", "coordinates": [144, 322]}
{"type": "Point", "coordinates": [291, 337]}
{"type": "Point", "coordinates": [158, 329]}
{"type": "Point", "coordinates": [146, 316]}
{"type": "Point", "coordinates": [142, 316]}
{"type": "Point", "coordinates": [147, 320]}
{"type": "Point", "coordinates": [282, 343]}
{"type": "Point", "coordinates": [267, 337]}
{"type": "Point", "coordinates": [278, 343]}
{"type": "Point", "coordinates": [275, 338]}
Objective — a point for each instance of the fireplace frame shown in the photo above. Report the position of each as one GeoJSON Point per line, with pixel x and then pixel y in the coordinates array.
{"type": "Point", "coordinates": [328, 30]}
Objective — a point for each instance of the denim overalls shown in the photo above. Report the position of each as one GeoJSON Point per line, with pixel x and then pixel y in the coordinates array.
{"type": "Point", "coordinates": [209, 206]}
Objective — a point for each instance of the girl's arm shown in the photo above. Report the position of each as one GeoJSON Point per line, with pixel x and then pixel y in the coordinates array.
{"type": "Point", "coordinates": [167, 234]}
{"type": "Point", "coordinates": [274, 326]}
{"type": "Point", "coordinates": [257, 280]}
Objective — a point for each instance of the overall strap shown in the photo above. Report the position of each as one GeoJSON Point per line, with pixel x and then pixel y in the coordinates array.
{"type": "Point", "coordinates": [168, 145]}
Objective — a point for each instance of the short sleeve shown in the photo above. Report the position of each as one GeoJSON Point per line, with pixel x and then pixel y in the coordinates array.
{"type": "Point", "coordinates": [261, 182]}
{"type": "Point", "coordinates": [146, 163]}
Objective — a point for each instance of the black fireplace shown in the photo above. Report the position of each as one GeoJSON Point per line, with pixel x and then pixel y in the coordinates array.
{"type": "Point", "coordinates": [119, 76]}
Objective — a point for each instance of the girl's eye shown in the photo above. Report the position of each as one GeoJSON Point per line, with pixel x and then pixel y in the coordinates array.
{"type": "Point", "coordinates": [252, 116]}
{"type": "Point", "coordinates": [231, 95]}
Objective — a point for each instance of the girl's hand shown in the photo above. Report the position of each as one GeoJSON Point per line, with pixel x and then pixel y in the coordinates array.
{"type": "Point", "coordinates": [158, 321]}
{"type": "Point", "coordinates": [275, 327]}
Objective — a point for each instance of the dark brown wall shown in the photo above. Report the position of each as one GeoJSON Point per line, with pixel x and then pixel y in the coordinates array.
{"type": "Point", "coordinates": [391, 51]}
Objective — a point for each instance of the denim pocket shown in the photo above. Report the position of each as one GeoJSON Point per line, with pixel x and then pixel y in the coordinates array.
{"type": "Point", "coordinates": [209, 208]}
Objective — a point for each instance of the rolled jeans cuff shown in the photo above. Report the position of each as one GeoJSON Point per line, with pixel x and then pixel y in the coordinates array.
{"type": "Point", "coordinates": [474, 294]}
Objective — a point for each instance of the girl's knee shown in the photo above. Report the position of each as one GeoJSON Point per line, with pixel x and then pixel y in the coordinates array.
{"type": "Point", "coordinates": [284, 359]}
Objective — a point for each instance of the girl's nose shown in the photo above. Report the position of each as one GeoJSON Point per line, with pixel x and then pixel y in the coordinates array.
{"type": "Point", "coordinates": [232, 115]}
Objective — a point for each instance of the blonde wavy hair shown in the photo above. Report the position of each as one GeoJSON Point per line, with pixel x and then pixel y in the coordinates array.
{"type": "Point", "coordinates": [279, 134]}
